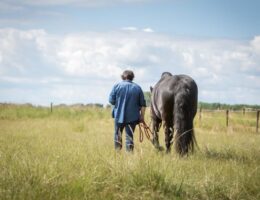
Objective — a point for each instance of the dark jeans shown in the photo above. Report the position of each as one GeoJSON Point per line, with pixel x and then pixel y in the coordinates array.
{"type": "Point", "coordinates": [129, 129]}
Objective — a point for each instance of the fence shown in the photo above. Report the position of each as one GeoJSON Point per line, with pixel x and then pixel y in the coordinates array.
{"type": "Point", "coordinates": [224, 114]}
{"type": "Point", "coordinates": [251, 117]}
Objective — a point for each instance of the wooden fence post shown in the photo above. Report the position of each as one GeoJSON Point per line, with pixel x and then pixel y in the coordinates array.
{"type": "Point", "coordinates": [51, 107]}
{"type": "Point", "coordinates": [200, 113]}
{"type": "Point", "coordinates": [244, 111]}
{"type": "Point", "coordinates": [257, 120]}
{"type": "Point", "coordinates": [227, 113]}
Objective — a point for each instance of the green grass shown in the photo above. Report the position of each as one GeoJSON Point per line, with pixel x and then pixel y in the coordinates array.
{"type": "Point", "coordinates": [69, 154]}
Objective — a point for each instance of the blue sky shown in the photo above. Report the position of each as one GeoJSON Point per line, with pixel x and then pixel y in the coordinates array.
{"type": "Point", "coordinates": [71, 51]}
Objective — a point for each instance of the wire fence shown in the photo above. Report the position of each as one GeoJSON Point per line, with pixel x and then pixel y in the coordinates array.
{"type": "Point", "coordinates": [238, 119]}
{"type": "Point", "coordinates": [246, 120]}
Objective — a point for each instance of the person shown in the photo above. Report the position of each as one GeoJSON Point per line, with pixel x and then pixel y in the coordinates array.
{"type": "Point", "coordinates": [129, 104]}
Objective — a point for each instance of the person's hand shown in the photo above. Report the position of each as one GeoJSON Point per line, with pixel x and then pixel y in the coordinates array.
{"type": "Point", "coordinates": [141, 120]}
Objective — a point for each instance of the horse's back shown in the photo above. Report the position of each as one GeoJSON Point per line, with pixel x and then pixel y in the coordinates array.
{"type": "Point", "coordinates": [172, 90]}
{"type": "Point", "coordinates": [170, 86]}
{"type": "Point", "coordinates": [186, 86]}
{"type": "Point", "coordinates": [186, 93]}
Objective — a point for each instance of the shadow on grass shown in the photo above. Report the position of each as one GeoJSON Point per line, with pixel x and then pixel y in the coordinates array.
{"type": "Point", "coordinates": [226, 154]}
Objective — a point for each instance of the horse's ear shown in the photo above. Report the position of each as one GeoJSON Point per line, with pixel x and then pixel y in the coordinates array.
{"type": "Point", "coordinates": [151, 88]}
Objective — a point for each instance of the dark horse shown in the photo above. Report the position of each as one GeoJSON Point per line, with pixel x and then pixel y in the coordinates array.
{"type": "Point", "coordinates": [174, 103]}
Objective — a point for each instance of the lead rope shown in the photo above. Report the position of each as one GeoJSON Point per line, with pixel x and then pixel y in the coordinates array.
{"type": "Point", "coordinates": [144, 129]}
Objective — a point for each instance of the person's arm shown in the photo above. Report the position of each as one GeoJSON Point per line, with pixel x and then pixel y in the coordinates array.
{"type": "Point", "coordinates": [112, 96]}
{"type": "Point", "coordinates": [143, 106]}
{"type": "Point", "coordinates": [142, 114]}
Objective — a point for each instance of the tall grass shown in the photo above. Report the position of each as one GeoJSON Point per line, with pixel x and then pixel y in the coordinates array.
{"type": "Point", "coordinates": [69, 154]}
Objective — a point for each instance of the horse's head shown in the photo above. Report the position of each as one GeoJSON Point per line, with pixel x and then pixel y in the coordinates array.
{"type": "Point", "coordinates": [166, 74]}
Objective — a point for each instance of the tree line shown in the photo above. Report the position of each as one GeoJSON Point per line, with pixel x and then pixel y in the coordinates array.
{"type": "Point", "coordinates": [213, 106]}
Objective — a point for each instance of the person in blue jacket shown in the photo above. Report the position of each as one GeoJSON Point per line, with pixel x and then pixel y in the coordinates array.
{"type": "Point", "coordinates": [129, 108]}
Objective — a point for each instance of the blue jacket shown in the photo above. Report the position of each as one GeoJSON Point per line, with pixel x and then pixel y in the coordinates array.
{"type": "Point", "coordinates": [127, 98]}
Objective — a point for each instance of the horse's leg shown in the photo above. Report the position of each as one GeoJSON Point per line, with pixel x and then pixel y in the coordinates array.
{"type": "Point", "coordinates": [168, 135]}
{"type": "Point", "coordinates": [156, 127]}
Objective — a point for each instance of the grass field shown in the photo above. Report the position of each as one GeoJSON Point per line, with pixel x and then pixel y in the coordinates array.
{"type": "Point", "coordinates": [69, 154]}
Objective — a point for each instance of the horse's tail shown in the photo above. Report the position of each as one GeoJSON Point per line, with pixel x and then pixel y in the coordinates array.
{"type": "Point", "coordinates": [184, 141]}
{"type": "Point", "coordinates": [184, 136]}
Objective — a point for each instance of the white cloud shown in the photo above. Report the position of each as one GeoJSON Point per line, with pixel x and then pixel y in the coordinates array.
{"type": "Point", "coordinates": [148, 30]}
{"type": "Point", "coordinates": [130, 28]}
{"type": "Point", "coordinates": [256, 44]}
{"type": "Point", "coordinates": [43, 66]}
{"type": "Point", "coordinates": [12, 44]}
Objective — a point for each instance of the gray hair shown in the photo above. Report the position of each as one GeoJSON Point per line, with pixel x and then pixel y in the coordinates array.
{"type": "Point", "coordinates": [128, 75]}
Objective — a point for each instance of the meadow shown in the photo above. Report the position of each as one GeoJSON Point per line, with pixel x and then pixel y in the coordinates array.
{"type": "Point", "coordinates": [69, 154]}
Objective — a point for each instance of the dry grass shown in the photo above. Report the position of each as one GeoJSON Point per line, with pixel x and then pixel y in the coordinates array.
{"type": "Point", "coordinates": [69, 154]}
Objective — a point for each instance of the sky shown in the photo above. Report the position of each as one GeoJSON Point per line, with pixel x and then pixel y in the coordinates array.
{"type": "Point", "coordinates": [74, 51]}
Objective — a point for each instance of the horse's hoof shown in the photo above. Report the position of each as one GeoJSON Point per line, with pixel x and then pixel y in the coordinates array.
{"type": "Point", "coordinates": [168, 151]}
{"type": "Point", "coordinates": [160, 148]}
